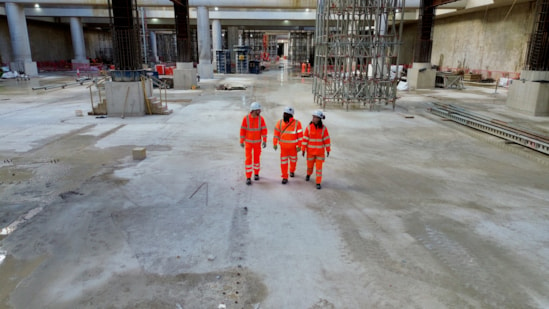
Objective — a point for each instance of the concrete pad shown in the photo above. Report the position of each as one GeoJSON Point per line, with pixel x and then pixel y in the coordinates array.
{"type": "Point", "coordinates": [184, 79]}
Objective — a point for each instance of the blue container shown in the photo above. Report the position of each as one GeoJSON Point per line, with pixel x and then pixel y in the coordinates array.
{"type": "Point", "coordinates": [255, 66]}
{"type": "Point", "coordinates": [127, 75]}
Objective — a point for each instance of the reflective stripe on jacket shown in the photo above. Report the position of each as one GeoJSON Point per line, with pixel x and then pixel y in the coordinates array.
{"type": "Point", "coordinates": [252, 130]}
{"type": "Point", "coordinates": [290, 134]}
{"type": "Point", "coordinates": [316, 140]}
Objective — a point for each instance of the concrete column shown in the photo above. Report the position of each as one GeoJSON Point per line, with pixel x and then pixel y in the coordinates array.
{"type": "Point", "coordinates": [20, 43]}
{"type": "Point", "coordinates": [216, 35]}
{"type": "Point", "coordinates": [154, 48]}
{"type": "Point", "coordinates": [232, 40]}
{"type": "Point", "coordinates": [232, 37]}
{"type": "Point", "coordinates": [205, 67]}
{"type": "Point", "coordinates": [421, 76]}
{"type": "Point", "coordinates": [216, 40]}
{"type": "Point", "coordinates": [77, 35]}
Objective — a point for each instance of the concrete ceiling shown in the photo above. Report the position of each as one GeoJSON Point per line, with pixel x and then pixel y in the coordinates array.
{"type": "Point", "coordinates": [246, 14]}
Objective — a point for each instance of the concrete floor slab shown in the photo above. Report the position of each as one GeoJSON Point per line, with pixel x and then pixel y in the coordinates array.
{"type": "Point", "coordinates": [413, 213]}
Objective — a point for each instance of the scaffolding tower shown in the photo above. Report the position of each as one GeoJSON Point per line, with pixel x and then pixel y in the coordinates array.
{"type": "Point", "coordinates": [270, 48]}
{"type": "Point", "coordinates": [356, 44]}
{"type": "Point", "coordinates": [538, 47]}
{"type": "Point", "coordinates": [253, 39]}
{"type": "Point", "coordinates": [300, 48]}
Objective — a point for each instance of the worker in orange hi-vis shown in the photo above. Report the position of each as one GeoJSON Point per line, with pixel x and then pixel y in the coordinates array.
{"type": "Point", "coordinates": [253, 135]}
{"type": "Point", "coordinates": [289, 134]}
{"type": "Point", "coordinates": [316, 139]}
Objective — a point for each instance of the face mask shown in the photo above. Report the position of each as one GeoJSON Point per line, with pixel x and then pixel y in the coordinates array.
{"type": "Point", "coordinates": [287, 117]}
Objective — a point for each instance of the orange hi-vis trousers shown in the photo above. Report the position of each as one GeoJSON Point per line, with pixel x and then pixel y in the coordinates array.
{"type": "Point", "coordinates": [312, 162]}
{"type": "Point", "coordinates": [253, 153]}
{"type": "Point", "coordinates": [288, 153]}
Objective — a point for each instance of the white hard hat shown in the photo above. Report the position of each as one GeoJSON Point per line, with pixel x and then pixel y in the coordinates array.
{"type": "Point", "coordinates": [289, 110]}
{"type": "Point", "coordinates": [255, 106]}
{"type": "Point", "coordinates": [318, 113]}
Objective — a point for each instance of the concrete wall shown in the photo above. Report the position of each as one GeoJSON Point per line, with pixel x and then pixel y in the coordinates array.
{"type": "Point", "coordinates": [98, 44]}
{"type": "Point", "coordinates": [484, 40]}
{"type": "Point", "coordinates": [50, 41]}
{"type": "Point", "coordinates": [408, 43]}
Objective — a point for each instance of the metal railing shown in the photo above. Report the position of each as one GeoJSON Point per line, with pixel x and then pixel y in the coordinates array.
{"type": "Point", "coordinates": [528, 138]}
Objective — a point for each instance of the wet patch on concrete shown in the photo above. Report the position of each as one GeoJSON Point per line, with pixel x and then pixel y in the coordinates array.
{"type": "Point", "coordinates": [12, 270]}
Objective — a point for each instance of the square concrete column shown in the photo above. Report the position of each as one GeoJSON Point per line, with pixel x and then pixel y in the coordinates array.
{"type": "Point", "coordinates": [530, 94]}
{"type": "Point", "coordinates": [184, 76]}
{"type": "Point", "coordinates": [421, 76]}
{"type": "Point", "coordinates": [126, 98]}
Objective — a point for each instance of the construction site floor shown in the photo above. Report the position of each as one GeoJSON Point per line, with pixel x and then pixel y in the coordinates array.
{"type": "Point", "coordinates": [414, 212]}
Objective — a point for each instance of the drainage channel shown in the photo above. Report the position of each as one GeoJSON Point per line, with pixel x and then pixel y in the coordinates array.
{"type": "Point", "coordinates": [533, 140]}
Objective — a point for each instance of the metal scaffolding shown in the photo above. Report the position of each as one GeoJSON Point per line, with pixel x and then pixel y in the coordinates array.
{"type": "Point", "coordinates": [254, 39]}
{"type": "Point", "coordinates": [356, 43]}
{"type": "Point", "coordinates": [270, 48]}
{"type": "Point", "coordinates": [300, 48]}
{"type": "Point", "coordinates": [538, 47]}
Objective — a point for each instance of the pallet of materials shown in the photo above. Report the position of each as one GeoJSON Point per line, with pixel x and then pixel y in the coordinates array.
{"type": "Point", "coordinates": [472, 77]}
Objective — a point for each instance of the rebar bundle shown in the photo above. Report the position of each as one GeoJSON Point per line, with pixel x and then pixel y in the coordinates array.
{"type": "Point", "coordinates": [125, 34]}
{"type": "Point", "coordinates": [356, 43]}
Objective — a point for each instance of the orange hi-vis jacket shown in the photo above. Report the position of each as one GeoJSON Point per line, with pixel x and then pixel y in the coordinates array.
{"type": "Point", "coordinates": [288, 135]}
{"type": "Point", "coordinates": [315, 140]}
{"type": "Point", "coordinates": [253, 130]}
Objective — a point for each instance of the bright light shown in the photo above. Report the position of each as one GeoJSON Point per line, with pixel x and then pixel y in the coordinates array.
{"type": "Point", "coordinates": [216, 8]}
{"type": "Point", "coordinates": [307, 10]}
{"type": "Point", "coordinates": [37, 5]}
{"type": "Point", "coordinates": [286, 21]}
{"type": "Point", "coordinates": [154, 19]}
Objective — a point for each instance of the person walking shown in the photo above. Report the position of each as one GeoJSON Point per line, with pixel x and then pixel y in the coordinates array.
{"type": "Point", "coordinates": [316, 140]}
{"type": "Point", "coordinates": [289, 134]}
{"type": "Point", "coordinates": [253, 135]}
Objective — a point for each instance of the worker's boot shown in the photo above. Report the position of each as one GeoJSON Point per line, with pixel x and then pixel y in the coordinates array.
{"type": "Point", "coordinates": [308, 177]}
{"type": "Point", "coordinates": [248, 181]}
{"type": "Point", "coordinates": [284, 181]}
{"type": "Point", "coordinates": [256, 177]}
{"type": "Point", "coordinates": [292, 174]}
{"type": "Point", "coordinates": [318, 186]}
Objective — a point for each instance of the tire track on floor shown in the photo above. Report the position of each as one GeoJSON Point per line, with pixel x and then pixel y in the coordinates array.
{"type": "Point", "coordinates": [470, 270]}
{"type": "Point", "coordinates": [363, 242]}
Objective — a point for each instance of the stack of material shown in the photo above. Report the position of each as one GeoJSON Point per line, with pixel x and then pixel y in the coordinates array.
{"type": "Point", "coordinates": [472, 78]}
